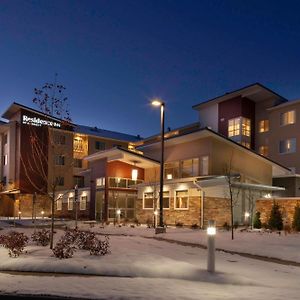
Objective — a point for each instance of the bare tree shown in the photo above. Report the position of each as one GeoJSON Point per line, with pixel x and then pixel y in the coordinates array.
{"type": "Point", "coordinates": [45, 147]}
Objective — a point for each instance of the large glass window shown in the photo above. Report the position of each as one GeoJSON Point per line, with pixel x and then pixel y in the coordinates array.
{"type": "Point", "coordinates": [59, 204]}
{"type": "Point", "coordinates": [204, 165]}
{"type": "Point", "coordinates": [263, 126]}
{"type": "Point", "coordinates": [287, 146]}
{"type": "Point", "coordinates": [100, 182]}
{"type": "Point", "coordinates": [246, 127]}
{"type": "Point", "coordinates": [123, 201]}
{"type": "Point", "coordinates": [79, 181]}
{"type": "Point", "coordinates": [288, 117]}
{"type": "Point", "coordinates": [59, 139]}
{"type": "Point", "coordinates": [99, 145]}
{"type": "Point", "coordinates": [172, 170]}
{"type": "Point", "coordinates": [166, 200]}
{"type": "Point", "coordinates": [182, 199]}
{"type": "Point", "coordinates": [78, 144]}
{"type": "Point", "coordinates": [60, 181]}
{"type": "Point", "coordinates": [60, 160]}
{"type": "Point", "coordinates": [238, 126]}
{"type": "Point", "coordinates": [70, 203]}
{"type": "Point", "coordinates": [83, 202]}
{"type": "Point", "coordinates": [148, 201]}
{"type": "Point", "coordinates": [190, 168]}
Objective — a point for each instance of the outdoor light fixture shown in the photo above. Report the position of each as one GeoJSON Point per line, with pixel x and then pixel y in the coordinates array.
{"type": "Point", "coordinates": [161, 104]}
{"type": "Point", "coordinates": [169, 176]}
{"type": "Point", "coordinates": [134, 174]}
{"type": "Point", "coordinates": [268, 196]}
{"type": "Point", "coordinates": [247, 215]}
{"type": "Point", "coordinates": [118, 211]}
{"type": "Point", "coordinates": [211, 233]}
{"type": "Point", "coordinates": [19, 212]}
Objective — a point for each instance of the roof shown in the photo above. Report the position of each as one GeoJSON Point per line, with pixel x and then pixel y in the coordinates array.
{"type": "Point", "coordinates": [285, 104]}
{"type": "Point", "coordinates": [127, 156]}
{"type": "Point", "coordinates": [15, 107]}
{"type": "Point", "coordinates": [205, 132]}
{"type": "Point", "coordinates": [106, 133]}
{"type": "Point", "coordinates": [255, 92]}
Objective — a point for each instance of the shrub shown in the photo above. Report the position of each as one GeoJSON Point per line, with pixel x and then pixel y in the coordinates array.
{"type": "Point", "coordinates": [178, 224]}
{"type": "Point", "coordinates": [98, 247]}
{"type": "Point", "coordinates": [257, 221]}
{"type": "Point", "coordinates": [85, 240]}
{"type": "Point", "coordinates": [194, 226]}
{"type": "Point", "coordinates": [63, 249]}
{"type": "Point", "coordinates": [226, 226]}
{"type": "Point", "coordinates": [41, 237]}
{"type": "Point", "coordinates": [15, 242]}
{"type": "Point", "coordinates": [296, 219]}
{"type": "Point", "coordinates": [275, 219]}
{"type": "Point", "coordinates": [137, 222]}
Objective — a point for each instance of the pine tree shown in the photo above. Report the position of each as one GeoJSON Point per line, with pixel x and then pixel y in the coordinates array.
{"type": "Point", "coordinates": [257, 221]}
{"type": "Point", "coordinates": [296, 220]}
{"type": "Point", "coordinates": [275, 219]}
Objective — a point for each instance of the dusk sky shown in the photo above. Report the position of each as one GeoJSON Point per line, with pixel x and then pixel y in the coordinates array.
{"type": "Point", "coordinates": [114, 56]}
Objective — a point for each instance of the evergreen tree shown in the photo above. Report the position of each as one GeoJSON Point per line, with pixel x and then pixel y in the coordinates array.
{"type": "Point", "coordinates": [296, 220]}
{"type": "Point", "coordinates": [275, 219]}
{"type": "Point", "coordinates": [257, 221]}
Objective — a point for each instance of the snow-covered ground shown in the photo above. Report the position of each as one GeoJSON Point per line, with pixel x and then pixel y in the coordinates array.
{"type": "Point", "coordinates": [143, 268]}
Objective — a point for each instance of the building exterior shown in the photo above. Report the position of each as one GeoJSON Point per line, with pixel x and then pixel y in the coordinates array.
{"type": "Point", "coordinates": [197, 166]}
{"type": "Point", "coordinates": [41, 153]}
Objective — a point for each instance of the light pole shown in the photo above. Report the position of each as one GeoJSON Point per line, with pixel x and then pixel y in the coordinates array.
{"type": "Point", "coordinates": [76, 200]}
{"type": "Point", "coordinates": [211, 232]}
{"type": "Point", "coordinates": [161, 104]}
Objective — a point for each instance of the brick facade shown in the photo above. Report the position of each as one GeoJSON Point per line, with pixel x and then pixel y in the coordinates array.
{"type": "Point", "coordinates": [287, 207]}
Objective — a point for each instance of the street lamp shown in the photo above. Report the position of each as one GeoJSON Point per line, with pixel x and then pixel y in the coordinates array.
{"type": "Point", "coordinates": [118, 216]}
{"type": "Point", "coordinates": [161, 104]}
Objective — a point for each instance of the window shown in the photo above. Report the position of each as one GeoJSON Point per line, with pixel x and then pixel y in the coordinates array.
{"type": "Point", "coordinates": [79, 181]}
{"type": "Point", "coordinates": [78, 144]}
{"type": "Point", "coordinates": [77, 163]}
{"type": "Point", "coordinates": [190, 168]}
{"type": "Point", "coordinates": [234, 127]}
{"type": "Point", "coordinates": [288, 117]}
{"type": "Point", "coordinates": [148, 201]}
{"type": "Point", "coordinates": [238, 126]}
{"type": "Point", "coordinates": [5, 139]}
{"type": "Point", "coordinates": [172, 170]}
{"type": "Point", "coordinates": [100, 182]}
{"type": "Point", "coordinates": [117, 145]}
{"type": "Point", "coordinates": [99, 145]}
{"type": "Point", "coordinates": [59, 160]}
{"type": "Point", "coordinates": [263, 150]}
{"type": "Point", "coordinates": [181, 199]}
{"type": "Point", "coordinates": [5, 160]}
{"type": "Point", "coordinates": [70, 203]}
{"type": "Point", "coordinates": [59, 139]}
{"type": "Point", "coordinates": [245, 144]}
{"type": "Point", "coordinates": [166, 200]}
{"type": "Point", "coordinates": [83, 201]}
{"type": "Point", "coordinates": [60, 181]}
{"type": "Point", "coordinates": [287, 146]}
{"type": "Point", "coordinates": [263, 126]}
{"type": "Point", "coordinates": [204, 165]}
{"type": "Point", "coordinates": [59, 203]}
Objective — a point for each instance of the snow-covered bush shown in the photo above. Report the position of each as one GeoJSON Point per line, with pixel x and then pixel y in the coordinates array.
{"type": "Point", "coordinates": [15, 242]}
{"type": "Point", "coordinates": [63, 249]}
{"type": "Point", "coordinates": [41, 237]}
{"type": "Point", "coordinates": [275, 219]}
{"type": "Point", "coordinates": [85, 239]}
{"type": "Point", "coordinates": [98, 247]}
{"type": "Point", "coordinates": [71, 235]}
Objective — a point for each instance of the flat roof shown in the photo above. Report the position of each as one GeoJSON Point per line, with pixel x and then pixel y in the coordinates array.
{"type": "Point", "coordinates": [255, 92]}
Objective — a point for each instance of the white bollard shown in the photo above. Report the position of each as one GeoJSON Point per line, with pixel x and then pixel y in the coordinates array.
{"type": "Point", "coordinates": [118, 216]}
{"type": "Point", "coordinates": [211, 233]}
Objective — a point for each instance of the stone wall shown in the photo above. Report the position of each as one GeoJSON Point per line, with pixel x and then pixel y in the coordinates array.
{"type": "Point", "coordinates": [24, 204]}
{"type": "Point", "coordinates": [287, 207]}
{"type": "Point", "coordinates": [6, 206]}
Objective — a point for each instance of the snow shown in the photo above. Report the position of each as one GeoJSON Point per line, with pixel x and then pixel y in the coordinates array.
{"type": "Point", "coordinates": [144, 268]}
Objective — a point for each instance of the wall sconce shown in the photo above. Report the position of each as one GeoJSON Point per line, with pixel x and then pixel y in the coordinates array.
{"type": "Point", "coordinates": [134, 174]}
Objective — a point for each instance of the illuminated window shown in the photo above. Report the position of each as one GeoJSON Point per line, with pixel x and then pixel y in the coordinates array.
{"type": "Point", "coordinates": [234, 127]}
{"type": "Point", "coordinates": [172, 170]}
{"type": "Point", "coordinates": [148, 200]}
{"type": "Point", "coordinates": [83, 201]}
{"type": "Point", "coordinates": [288, 117]}
{"type": "Point", "coordinates": [78, 144]}
{"type": "Point", "coordinates": [246, 127]}
{"type": "Point", "coordinates": [70, 203]}
{"type": "Point", "coordinates": [182, 199]}
{"type": "Point", "coordinates": [263, 150]}
{"type": "Point", "coordinates": [263, 126]}
{"type": "Point", "coordinates": [59, 204]}
{"type": "Point", "coordinates": [287, 146]}
{"type": "Point", "coordinates": [100, 182]}
{"type": "Point", "coordinates": [204, 165]}
{"type": "Point", "coordinates": [245, 144]}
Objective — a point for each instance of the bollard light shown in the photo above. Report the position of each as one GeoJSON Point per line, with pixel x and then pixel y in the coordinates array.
{"type": "Point", "coordinates": [211, 233]}
{"type": "Point", "coordinates": [247, 215]}
{"type": "Point", "coordinates": [118, 212]}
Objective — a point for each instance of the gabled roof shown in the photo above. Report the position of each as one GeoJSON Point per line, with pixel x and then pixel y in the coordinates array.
{"type": "Point", "coordinates": [255, 92]}
{"type": "Point", "coordinates": [124, 155]}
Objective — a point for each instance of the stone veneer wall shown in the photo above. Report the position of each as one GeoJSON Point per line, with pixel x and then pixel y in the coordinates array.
{"type": "Point", "coordinates": [287, 207]}
{"type": "Point", "coordinates": [214, 209]}
{"type": "Point", "coordinates": [6, 206]}
{"type": "Point", "coordinates": [24, 205]}
{"type": "Point", "coordinates": [217, 209]}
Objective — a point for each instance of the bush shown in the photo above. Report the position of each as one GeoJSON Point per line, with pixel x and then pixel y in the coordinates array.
{"type": "Point", "coordinates": [85, 240]}
{"type": "Point", "coordinates": [296, 219]}
{"type": "Point", "coordinates": [98, 247]}
{"type": "Point", "coordinates": [195, 226]}
{"type": "Point", "coordinates": [63, 249]}
{"type": "Point", "coordinates": [41, 237]}
{"type": "Point", "coordinates": [275, 219]}
{"type": "Point", "coordinates": [178, 224]}
{"type": "Point", "coordinates": [15, 242]}
{"type": "Point", "coordinates": [226, 226]}
{"type": "Point", "coordinates": [149, 223]}
{"type": "Point", "coordinates": [257, 221]}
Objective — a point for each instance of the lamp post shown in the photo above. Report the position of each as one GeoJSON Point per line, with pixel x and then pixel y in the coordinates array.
{"type": "Point", "coordinates": [118, 216]}
{"type": "Point", "coordinates": [76, 200]}
{"type": "Point", "coordinates": [161, 104]}
{"type": "Point", "coordinates": [211, 232]}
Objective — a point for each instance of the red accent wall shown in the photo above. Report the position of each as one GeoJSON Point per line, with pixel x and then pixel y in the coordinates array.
{"type": "Point", "coordinates": [123, 170]}
{"type": "Point", "coordinates": [233, 108]}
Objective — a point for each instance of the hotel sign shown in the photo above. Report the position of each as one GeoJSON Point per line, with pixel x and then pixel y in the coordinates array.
{"type": "Point", "coordinates": [36, 121]}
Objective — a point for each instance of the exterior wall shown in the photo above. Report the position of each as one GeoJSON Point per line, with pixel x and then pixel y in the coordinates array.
{"type": "Point", "coordinates": [208, 117]}
{"type": "Point", "coordinates": [24, 204]}
{"type": "Point", "coordinates": [7, 206]}
{"type": "Point", "coordinates": [108, 144]}
{"type": "Point", "coordinates": [287, 207]}
{"type": "Point", "coordinates": [291, 185]}
{"type": "Point", "coordinates": [122, 170]}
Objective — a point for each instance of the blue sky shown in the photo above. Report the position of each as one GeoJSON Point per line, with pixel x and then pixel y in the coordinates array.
{"type": "Point", "coordinates": [113, 56]}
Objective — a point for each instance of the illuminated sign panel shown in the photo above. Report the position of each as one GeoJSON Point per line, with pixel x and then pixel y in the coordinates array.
{"type": "Point", "coordinates": [39, 122]}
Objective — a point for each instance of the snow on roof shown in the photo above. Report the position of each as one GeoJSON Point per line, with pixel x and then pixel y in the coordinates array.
{"type": "Point", "coordinates": [106, 133]}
